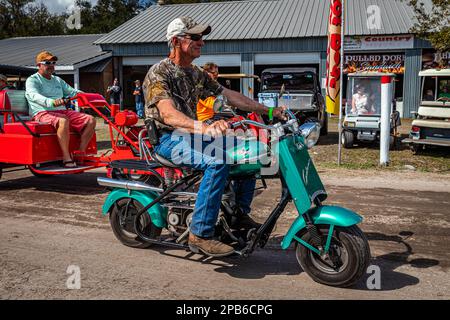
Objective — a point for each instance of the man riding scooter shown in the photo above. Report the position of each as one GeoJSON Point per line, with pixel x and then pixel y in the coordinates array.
{"type": "Point", "coordinates": [172, 89]}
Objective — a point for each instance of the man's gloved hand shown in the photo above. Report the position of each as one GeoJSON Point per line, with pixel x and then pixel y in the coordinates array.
{"type": "Point", "coordinates": [216, 129]}
{"type": "Point", "coordinates": [59, 102]}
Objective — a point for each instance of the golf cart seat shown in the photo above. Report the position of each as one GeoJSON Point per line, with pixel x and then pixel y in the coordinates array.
{"type": "Point", "coordinates": [14, 104]}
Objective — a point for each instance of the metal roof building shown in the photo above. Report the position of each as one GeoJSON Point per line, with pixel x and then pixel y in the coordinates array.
{"type": "Point", "coordinates": [262, 19]}
{"type": "Point", "coordinates": [74, 52]}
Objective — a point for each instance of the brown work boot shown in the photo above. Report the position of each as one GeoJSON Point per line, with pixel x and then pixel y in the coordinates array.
{"type": "Point", "coordinates": [209, 247]}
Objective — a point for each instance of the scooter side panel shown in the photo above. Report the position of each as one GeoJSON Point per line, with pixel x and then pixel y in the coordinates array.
{"type": "Point", "coordinates": [299, 172]}
{"type": "Point", "coordinates": [328, 215]}
{"type": "Point", "coordinates": [247, 151]}
{"type": "Point", "coordinates": [157, 213]}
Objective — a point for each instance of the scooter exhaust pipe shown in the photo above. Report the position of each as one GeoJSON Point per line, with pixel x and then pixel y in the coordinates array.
{"type": "Point", "coordinates": [125, 184]}
{"type": "Point", "coordinates": [140, 186]}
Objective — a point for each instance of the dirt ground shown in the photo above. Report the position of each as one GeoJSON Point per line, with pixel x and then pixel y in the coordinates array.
{"type": "Point", "coordinates": [48, 224]}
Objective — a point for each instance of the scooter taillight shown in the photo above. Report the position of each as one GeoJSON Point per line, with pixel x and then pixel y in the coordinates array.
{"type": "Point", "coordinates": [415, 129]}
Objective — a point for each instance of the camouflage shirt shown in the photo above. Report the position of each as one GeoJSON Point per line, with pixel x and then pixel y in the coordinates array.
{"type": "Point", "coordinates": [184, 86]}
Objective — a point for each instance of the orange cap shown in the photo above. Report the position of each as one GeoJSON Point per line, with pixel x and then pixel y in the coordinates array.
{"type": "Point", "coordinates": [45, 56]}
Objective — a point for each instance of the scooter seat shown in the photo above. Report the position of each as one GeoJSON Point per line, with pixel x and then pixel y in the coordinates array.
{"type": "Point", "coordinates": [163, 161]}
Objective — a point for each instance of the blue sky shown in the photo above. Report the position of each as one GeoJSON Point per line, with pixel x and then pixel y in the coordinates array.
{"type": "Point", "coordinates": [59, 6]}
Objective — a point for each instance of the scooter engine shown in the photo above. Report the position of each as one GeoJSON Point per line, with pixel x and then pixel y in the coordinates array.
{"type": "Point", "coordinates": [178, 220]}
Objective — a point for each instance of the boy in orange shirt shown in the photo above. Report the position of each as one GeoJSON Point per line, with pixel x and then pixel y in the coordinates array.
{"type": "Point", "coordinates": [205, 109]}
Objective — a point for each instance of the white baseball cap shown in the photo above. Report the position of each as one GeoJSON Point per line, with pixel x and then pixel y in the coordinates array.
{"type": "Point", "coordinates": [186, 25]}
{"type": "Point", "coordinates": [3, 77]}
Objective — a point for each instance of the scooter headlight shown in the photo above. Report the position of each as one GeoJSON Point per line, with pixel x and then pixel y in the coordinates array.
{"type": "Point", "coordinates": [311, 133]}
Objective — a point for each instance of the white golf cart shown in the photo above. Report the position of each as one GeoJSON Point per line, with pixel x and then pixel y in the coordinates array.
{"type": "Point", "coordinates": [363, 109]}
{"type": "Point", "coordinates": [432, 124]}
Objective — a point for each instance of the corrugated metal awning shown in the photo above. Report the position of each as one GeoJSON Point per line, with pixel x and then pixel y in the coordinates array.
{"type": "Point", "coordinates": [269, 19]}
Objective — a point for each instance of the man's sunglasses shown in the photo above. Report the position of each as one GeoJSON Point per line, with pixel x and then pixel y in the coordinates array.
{"type": "Point", "coordinates": [47, 63]}
{"type": "Point", "coordinates": [194, 37]}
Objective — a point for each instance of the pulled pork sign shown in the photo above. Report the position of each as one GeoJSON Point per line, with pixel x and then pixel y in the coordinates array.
{"type": "Point", "coordinates": [388, 62]}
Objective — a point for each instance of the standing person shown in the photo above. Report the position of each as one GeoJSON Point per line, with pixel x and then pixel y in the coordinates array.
{"type": "Point", "coordinates": [139, 98]}
{"type": "Point", "coordinates": [172, 88]}
{"type": "Point", "coordinates": [205, 110]}
{"type": "Point", "coordinates": [3, 82]}
{"type": "Point", "coordinates": [115, 92]}
{"type": "Point", "coordinates": [45, 93]}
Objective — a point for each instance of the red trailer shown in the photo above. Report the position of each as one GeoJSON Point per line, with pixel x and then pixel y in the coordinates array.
{"type": "Point", "coordinates": [35, 146]}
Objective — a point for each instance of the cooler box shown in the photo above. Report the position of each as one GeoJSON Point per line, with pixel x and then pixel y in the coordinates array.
{"type": "Point", "coordinates": [268, 99]}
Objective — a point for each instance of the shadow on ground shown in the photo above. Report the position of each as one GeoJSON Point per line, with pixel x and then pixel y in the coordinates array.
{"type": "Point", "coordinates": [265, 262]}
{"type": "Point", "coordinates": [79, 184]}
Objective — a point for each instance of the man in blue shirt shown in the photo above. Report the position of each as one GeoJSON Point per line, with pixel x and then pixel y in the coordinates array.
{"type": "Point", "coordinates": [139, 98]}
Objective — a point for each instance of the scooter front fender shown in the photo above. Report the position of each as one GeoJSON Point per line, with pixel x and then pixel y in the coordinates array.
{"type": "Point", "coordinates": [328, 215]}
{"type": "Point", "coordinates": [157, 213]}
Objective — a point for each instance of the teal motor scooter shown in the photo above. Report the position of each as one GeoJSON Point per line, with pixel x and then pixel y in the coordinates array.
{"type": "Point", "coordinates": [329, 246]}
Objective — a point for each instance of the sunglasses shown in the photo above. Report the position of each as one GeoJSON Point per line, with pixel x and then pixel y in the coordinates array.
{"type": "Point", "coordinates": [48, 63]}
{"type": "Point", "coordinates": [194, 37]}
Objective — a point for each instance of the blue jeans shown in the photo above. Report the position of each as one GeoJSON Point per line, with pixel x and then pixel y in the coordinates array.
{"type": "Point", "coordinates": [215, 177]}
{"type": "Point", "coordinates": [244, 190]}
{"type": "Point", "coordinates": [140, 109]}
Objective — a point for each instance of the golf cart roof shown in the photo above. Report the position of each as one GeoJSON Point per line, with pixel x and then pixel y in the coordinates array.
{"type": "Point", "coordinates": [237, 75]}
{"type": "Point", "coordinates": [16, 70]}
{"type": "Point", "coordinates": [371, 74]}
{"type": "Point", "coordinates": [290, 70]}
{"type": "Point", "coordinates": [434, 73]}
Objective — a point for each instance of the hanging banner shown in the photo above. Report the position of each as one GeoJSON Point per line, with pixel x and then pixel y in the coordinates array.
{"type": "Point", "coordinates": [388, 62]}
{"type": "Point", "coordinates": [334, 56]}
{"type": "Point", "coordinates": [379, 42]}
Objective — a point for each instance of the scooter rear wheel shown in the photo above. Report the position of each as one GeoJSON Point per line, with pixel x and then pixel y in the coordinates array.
{"type": "Point", "coordinates": [349, 257]}
{"type": "Point", "coordinates": [122, 217]}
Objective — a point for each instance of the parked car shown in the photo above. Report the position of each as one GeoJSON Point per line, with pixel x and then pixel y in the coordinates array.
{"type": "Point", "coordinates": [432, 124]}
{"type": "Point", "coordinates": [301, 94]}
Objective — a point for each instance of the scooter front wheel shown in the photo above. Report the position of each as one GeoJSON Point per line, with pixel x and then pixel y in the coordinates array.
{"type": "Point", "coordinates": [122, 218]}
{"type": "Point", "coordinates": [347, 259]}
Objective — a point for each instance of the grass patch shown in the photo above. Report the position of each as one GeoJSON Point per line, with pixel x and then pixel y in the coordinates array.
{"type": "Point", "coordinates": [367, 156]}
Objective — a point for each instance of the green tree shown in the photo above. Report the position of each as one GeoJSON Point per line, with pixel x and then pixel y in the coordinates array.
{"type": "Point", "coordinates": [13, 14]}
{"type": "Point", "coordinates": [106, 15]}
{"type": "Point", "coordinates": [42, 23]}
{"type": "Point", "coordinates": [23, 18]}
{"type": "Point", "coordinates": [433, 24]}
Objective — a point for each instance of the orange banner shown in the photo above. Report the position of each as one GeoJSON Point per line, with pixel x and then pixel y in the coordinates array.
{"type": "Point", "coordinates": [334, 56]}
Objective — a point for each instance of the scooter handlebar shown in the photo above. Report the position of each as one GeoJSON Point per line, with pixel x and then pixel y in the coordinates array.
{"type": "Point", "coordinates": [251, 122]}
{"type": "Point", "coordinates": [288, 124]}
